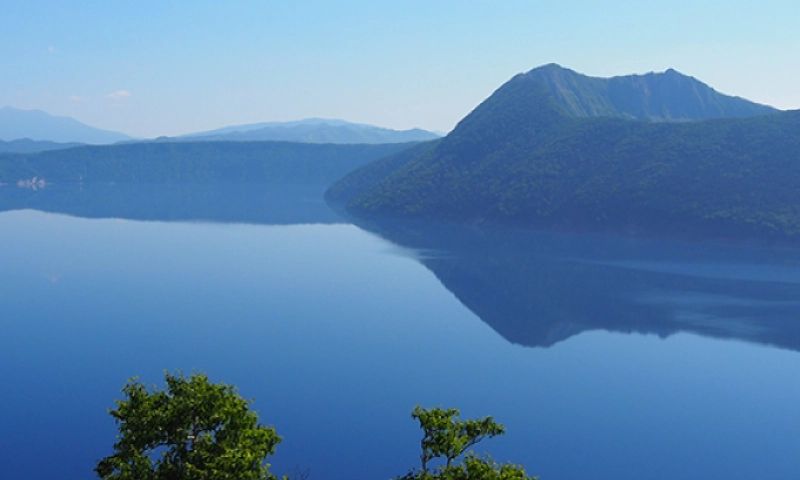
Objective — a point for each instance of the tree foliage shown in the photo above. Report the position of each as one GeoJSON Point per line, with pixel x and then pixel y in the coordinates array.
{"type": "Point", "coordinates": [446, 437]}
{"type": "Point", "coordinates": [197, 430]}
{"type": "Point", "coordinates": [192, 430]}
{"type": "Point", "coordinates": [476, 468]}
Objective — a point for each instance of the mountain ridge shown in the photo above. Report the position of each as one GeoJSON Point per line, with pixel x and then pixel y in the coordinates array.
{"type": "Point", "coordinates": [663, 96]}
{"type": "Point", "coordinates": [310, 130]}
{"type": "Point", "coordinates": [39, 125]}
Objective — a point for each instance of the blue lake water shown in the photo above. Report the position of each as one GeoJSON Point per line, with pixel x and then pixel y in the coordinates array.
{"type": "Point", "coordinates": [604, 357]}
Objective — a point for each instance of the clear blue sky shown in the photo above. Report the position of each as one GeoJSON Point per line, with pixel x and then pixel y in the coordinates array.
{"type": "Point", "coordinates": [152, 68]}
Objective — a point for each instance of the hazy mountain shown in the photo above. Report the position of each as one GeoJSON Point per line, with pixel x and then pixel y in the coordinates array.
{"type": "Point", "coordinates": [314, 130]}
{"type": "Point", "coordinates": [38, 125]}
{"type": "Point", "coordinates": [26, 145]}
{"type": "Point", "coordinates": [557, 149]}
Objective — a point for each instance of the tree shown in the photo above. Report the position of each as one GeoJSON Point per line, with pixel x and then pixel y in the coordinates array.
{"type": "Point", "coordinates": [193, 430]}
{"type": "Point", "coordinates": [447, 437]}
{"type": "Point", "coordinates": [477, 468]}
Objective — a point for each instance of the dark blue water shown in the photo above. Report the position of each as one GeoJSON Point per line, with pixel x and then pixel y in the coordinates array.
{"type": "Point", "coordinates": [604, 357]}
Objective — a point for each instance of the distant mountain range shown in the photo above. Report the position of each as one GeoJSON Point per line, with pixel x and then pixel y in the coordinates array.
{"type": "Point", "coordinates": [26, 145]}
{"type": "Point", "coordinates": [26, 126]}
{"type": "Point", "coordinates": [41, 126]}
{"type": "Point", "coordinates": [660, 152]}
{"type": "Point", "coordinates": [313, 130]}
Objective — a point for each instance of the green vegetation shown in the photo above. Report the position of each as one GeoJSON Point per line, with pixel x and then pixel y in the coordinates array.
{"type": "Point", "coordinates": [198, 430]}
{"type": "Point", "coordinates": [193, 430]}
{"type": "Point", "coordinates": [446, 438]}
{"type": "Point", "coordinates": [526, 156]}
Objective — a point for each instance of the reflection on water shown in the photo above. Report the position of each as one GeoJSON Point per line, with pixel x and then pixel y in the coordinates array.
{"type": "Point", "coordinates": [258, 203]}
{"type": "Point", "coordinates": [534, 288]}
{"type": "Point", "coordinates": [337, 334]}
{"type": "Point", "coordinates": [540, 288]}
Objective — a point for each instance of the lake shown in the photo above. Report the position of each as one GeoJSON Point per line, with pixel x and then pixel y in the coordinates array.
{"type": "Point", "coordinates": [605, 357]}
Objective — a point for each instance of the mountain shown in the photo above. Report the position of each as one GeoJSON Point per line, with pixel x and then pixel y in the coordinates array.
{"type": "Point", "coordinates": [554, 148]}
{"type": "Point", "coordinates": [314, 130]}
{"type": "Point", "coordinates": [185, 163]}
{"type": "Point", "coordinates": [39, 125]}
{"type": "Point", "coordinates": [26, 145]}
{"type": "Point", "coordinates": [667, 96]}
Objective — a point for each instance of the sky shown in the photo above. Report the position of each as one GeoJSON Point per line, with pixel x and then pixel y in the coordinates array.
{"type": "Point", "coordinates": [150, 68]}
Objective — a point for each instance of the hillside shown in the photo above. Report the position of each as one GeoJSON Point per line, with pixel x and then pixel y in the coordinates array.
{"type": "Point", "coordinates": [549, 152]}
{"type": "Point", "coordinates": [314, 130]}
{"type": "Point", "coordinates": [38, 125]}
{"type": "Point", "coordinates": [203, 162]}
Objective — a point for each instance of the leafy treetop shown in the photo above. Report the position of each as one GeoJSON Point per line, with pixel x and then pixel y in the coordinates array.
{"type": "Point", "coordinates": [193, 430]}
{"type": "Point", "coordinates": [447, 437]}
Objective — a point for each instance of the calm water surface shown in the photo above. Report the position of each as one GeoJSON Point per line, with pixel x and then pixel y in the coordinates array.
{"type": "Point", "coordinates": [605, 358]}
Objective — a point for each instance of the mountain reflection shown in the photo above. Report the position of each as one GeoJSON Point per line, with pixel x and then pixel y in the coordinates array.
{"type": "Point", "coordinates": [261, 203]}
{"type": "Point", "coordinates": [533, 288]}
{"type": "Point", "coordinates": [537, 289]}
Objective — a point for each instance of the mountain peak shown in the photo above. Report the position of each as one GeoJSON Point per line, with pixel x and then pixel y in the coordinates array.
{"type": "Point", "coordinates": [655, 96]}
{"type": "Point", "coordinates": [670, 74]}
{"type": "Point", "coordinates": [550, 69]}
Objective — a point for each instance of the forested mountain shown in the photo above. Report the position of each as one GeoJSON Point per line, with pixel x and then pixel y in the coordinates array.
{"type": "Point", "coordinates": [203, 162]}
{"type": "Point", "coordinates": [39, 125]}
{"type": "Point", "coordinates": [557, 149]}
{"type": "Point", "coordinates": [313, 130]}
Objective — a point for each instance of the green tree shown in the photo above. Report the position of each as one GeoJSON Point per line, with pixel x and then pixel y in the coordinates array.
{"type": "Point", "coordinates": [447, 437]}
{"type": "Point", "coordinates": [192, 430]}
{"type": "Point", "coordinates": [476, 468]}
